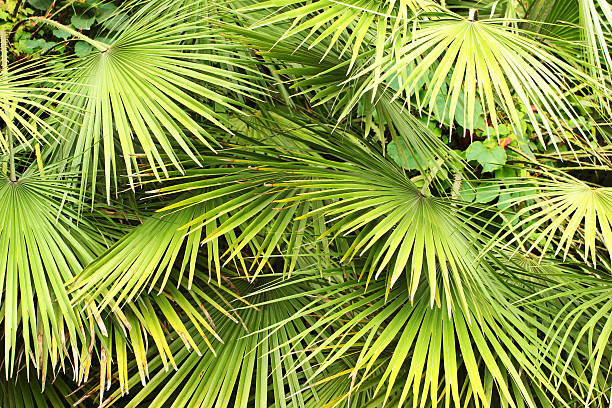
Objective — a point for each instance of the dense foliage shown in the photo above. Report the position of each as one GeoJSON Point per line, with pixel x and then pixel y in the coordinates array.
{"type": "Point", "coordinates": [322, 203]}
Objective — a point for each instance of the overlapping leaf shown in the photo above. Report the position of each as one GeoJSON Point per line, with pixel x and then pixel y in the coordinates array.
{"type": "Point", "coordinates": [562, 214]}
{"type": "Point", "coordinates": [42, 249]}
{"type": "Point", "coordinates": [28, 93]}
{"type": "Point", "coordinates": [489, 62]}
{"type": "Point", "coordinates": [24, 393]}
{"type": "Point", "coordinates": [257, 365]}
{"type": "Point", "coordinates": [427, 359]}
{"type": "Point", "coordinates": [140, 92]}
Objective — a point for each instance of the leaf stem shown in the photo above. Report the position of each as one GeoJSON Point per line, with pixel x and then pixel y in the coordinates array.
{"type": "Point", "coordinates": [9, 136]}
{"type": "Point", "coordinates": [98, 44]}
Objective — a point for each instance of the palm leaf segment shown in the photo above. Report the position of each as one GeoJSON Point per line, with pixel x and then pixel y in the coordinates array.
{"type": "Point", "coordinates": [27, 93]}
{"type": "Point", "coordinates": [42, 249]}
{"type": "Point", "coordinates": [23, 392]}
{"type": "Point", "coordinates": [581, 319]}
{"type": "Point", "coordinates": [142, 85]}
{"type": "Point", "coordinates": [595, 19]}
{"type": "Point", "coordinates": [561, 213]}
{"type": "Point", "coordinates": [439, 60]}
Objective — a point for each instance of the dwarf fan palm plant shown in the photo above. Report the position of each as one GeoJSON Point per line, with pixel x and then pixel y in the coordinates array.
{"type": "Point", "coordinates": [309, 204]}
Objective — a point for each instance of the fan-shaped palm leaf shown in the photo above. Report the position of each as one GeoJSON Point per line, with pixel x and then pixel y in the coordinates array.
{"type": "Point", "coordinates": [424, 354]}
{"type": "Point", "coordinates": [201, 382]}
{"type": "Point", "coordinates": [370, 197]}
{"type": "Point", "coordinates": [163, 53]}
{"type": "Point", "coordinates": [488, 62]}
{"type": "Point", "coordinates": [562, 213]}
{"type": "Point", "coordinates": [121, 280]}
{"type": "Point", "coordinates": [243, 186]}
{"type": "Point", "coordinates": [132, 264]}
{"type": "Point", "coordinates": [27, 94]}
{"type": "Point", "coordinates": [42, 249]}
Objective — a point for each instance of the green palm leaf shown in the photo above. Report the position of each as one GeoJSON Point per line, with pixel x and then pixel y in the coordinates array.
{"type": "Point", "coordinates": [132, 264]}
{"type": "Point", "coordinates": [563, 213]}
{"type": "Point", "coordinates": [42, 249]}
{"type": "Point", "coordinates": [302, 227]}
{"type": "Point", "coordinates": [24, 393]}
{"type": "Point", "coordinates": [152, 333]}
{"type": "Point", "coordinates": [488, 62]}
{"type": "Point", "coordinates": [595, 20]}
{"type": "Point", "coordinates": [121, 281]}
{"type": "Point", "coordinates": [28, 92]}
{"type": "Point", "coordinates": [162, 53]}
{"type": "Point", "coordinates": [247, 350]}
{"type": "Point", "coordinates": [424, 355]}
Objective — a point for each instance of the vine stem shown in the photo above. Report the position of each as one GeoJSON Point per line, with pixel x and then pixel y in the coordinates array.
{"type": "Point", "coordinates": [9, 135]}
{"type": "Point", "coordinates": [98, 44]}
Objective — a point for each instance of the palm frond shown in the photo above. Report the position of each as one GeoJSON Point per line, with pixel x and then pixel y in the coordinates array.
{"type": "Point", "coordinates": [42, 249]}
{"type": "Point", "coordinates": [562, 214]}
{"type": "Point", "coordinates": [31, 393]}
{"type": "Point", "coordinates": [424, 355]}
{"type": "Point", "coordinates": [164, 53]}
{"type": "Point", "coordinates": [488, 62]}
{"type": "Point", "coordinates": [283, 210]}
{"type": "Point", "coordinates": [246, 350]}
{"type": "Point", "coordinates": [28, 93]}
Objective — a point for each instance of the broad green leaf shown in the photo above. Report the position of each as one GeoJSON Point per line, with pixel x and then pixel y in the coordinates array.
{"type": "Point", "coordinates": [40, 4]}
{"type": "Point", "coordinates": [82, 21]}
{"type": "Point", "coordinates": [81, 48]}
{"type": "Point", "coordinates": [489, 155]}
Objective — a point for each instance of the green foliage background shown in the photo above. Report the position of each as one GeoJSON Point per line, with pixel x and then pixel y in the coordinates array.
{"type": "Point", "coordinates": [285, 203]}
